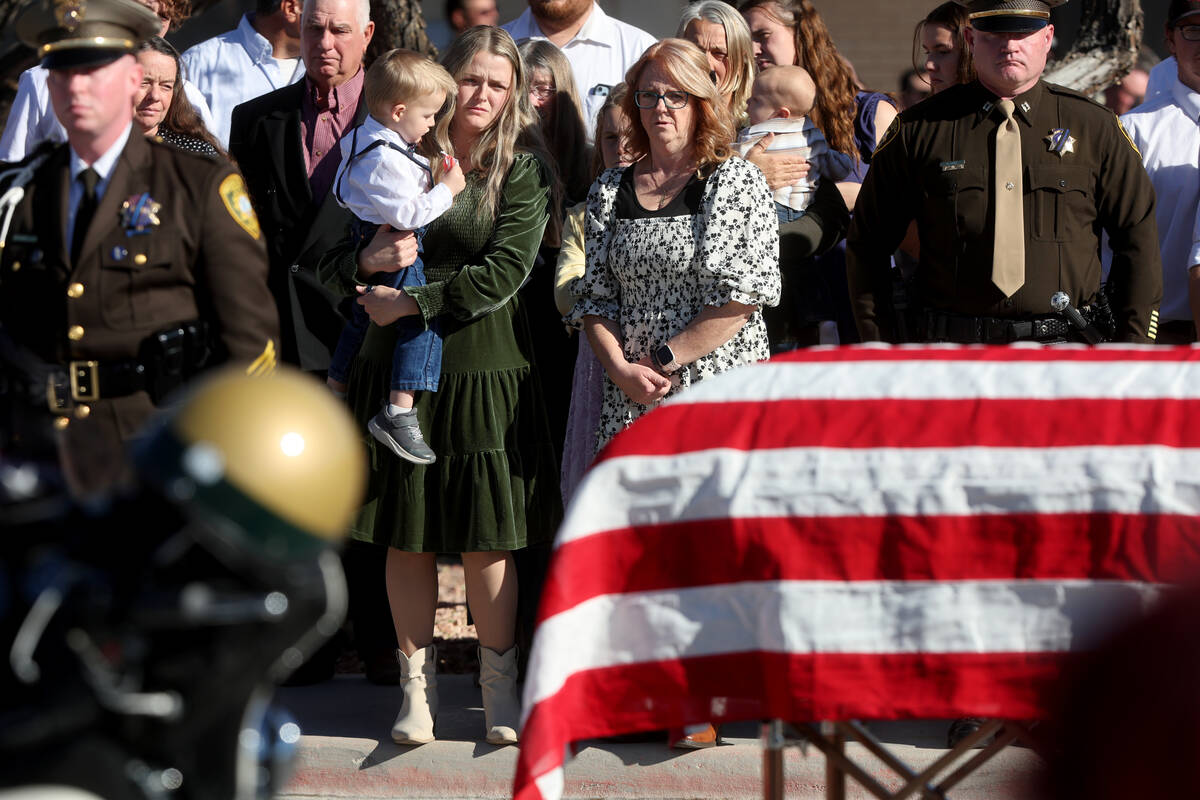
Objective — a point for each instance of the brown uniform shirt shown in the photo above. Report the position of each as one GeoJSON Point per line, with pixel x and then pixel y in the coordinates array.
{"type": "Point", "coordinates": [204, 258]}
{"type": "Point", "coordinates": [934, 166]}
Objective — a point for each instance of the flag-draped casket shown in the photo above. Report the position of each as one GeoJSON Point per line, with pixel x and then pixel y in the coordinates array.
{"type": "Point", "coordinates": [871, 532]}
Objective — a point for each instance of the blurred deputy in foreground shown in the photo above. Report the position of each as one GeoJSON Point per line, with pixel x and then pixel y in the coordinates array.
{"type": "Point", "coordinates": [154, 670]}
{"type": "Point", "coordinates": [1011, 181]}
{"type": "Point", "coordinates": [128, 266]}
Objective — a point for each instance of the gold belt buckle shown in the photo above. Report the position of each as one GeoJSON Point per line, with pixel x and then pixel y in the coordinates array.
{"type": "Point", "coordinates": [85, 380]}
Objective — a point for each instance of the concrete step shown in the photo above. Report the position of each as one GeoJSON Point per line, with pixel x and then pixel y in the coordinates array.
{"type": "Point", "coordinates": [346, 752]}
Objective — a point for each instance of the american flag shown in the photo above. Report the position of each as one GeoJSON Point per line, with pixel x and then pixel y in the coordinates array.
{"type": "Point", "coordinates": [873, 532]}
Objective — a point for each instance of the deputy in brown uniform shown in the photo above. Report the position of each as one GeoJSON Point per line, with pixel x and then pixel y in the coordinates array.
{"type": "Point", "coordinates": [1011, 181]}
{"type": "Point", "coordinates": [128, 265]}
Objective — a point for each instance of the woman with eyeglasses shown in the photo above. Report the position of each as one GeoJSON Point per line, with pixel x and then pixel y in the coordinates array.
{"type": "Point", "coordinates": [682, 251]}
{"type": "Point", "coordinates": [553, 96]}
{"type": "Point", "coordinates": [682, 246]}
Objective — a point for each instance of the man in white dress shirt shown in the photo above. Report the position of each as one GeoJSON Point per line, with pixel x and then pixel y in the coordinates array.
{"type": "Point", "coordinates": [1162, 77]}
{"type": "Point", "coordinates": [31, 119]}
{"type": "Point", "coordinates": [1166, 128]}
{"type": "Point", "coordinates": [600, 48]}
{"type": "Point", "coordinates": [260, 55]}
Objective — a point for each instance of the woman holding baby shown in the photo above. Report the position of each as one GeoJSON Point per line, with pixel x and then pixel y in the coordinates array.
{"type": "Point", "coordinates": [792, 33]}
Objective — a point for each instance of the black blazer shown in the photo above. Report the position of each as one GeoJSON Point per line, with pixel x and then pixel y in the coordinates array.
{"type": "Point", "coordinates": [265, 139]}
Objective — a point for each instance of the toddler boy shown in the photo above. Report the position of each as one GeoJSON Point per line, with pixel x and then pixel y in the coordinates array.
{"type": "Point", "coordinates": [383, 180]}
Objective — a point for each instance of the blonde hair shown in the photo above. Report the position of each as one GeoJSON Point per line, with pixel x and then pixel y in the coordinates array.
{"type": "Point", "coordinates": [514, 128]}
{"type": "Point", "coordinates": [835, 109]}
{"type": "Point", "coordinates": [404, 76]}
{"type": "Point", "coordinates": [686, 66]}
{"type": "Point", "coordinates": [739, 75]}
{"type": "Point", "coordinates": [564, 130]}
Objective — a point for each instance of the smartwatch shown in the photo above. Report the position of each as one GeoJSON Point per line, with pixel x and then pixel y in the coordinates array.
{"type": "Point", "coordinates": [664, 357]}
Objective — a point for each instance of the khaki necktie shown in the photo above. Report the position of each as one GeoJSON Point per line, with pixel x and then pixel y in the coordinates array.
{"type": "Point", "coordinates": [1008, 252]}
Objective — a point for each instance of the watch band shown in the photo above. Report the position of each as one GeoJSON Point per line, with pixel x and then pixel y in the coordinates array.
{"type": "Point", "coordinates": [671, 365]}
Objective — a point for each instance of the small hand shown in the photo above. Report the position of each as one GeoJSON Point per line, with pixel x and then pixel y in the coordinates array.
{"type": "Point", "coordinates": [384, 305]}
{"type": "Point", "coordinates": [454, 178]}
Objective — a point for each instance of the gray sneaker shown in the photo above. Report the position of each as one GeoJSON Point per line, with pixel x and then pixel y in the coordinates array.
{"type": "Point", "coordinates": [402, 436]}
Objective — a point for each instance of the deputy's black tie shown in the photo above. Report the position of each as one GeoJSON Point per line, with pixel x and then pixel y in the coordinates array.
{"type": "Point", "coordinates": [87, 209]}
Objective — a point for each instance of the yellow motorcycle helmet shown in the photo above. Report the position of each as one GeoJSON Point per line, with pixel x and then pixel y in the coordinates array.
{"type": "Point", "coordinates": [272, 462]}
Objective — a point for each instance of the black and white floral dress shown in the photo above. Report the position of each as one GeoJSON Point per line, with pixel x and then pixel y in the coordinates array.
{"type": "Point", "coordinates": [652, 272]}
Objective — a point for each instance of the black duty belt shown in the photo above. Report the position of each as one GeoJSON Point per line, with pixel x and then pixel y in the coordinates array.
{"type": "Point", "coordinates": [940, 327]}
{"type": "Point", "coordinates": [88, 381]}
{"type": "Point", "coordinates": [165, 359]}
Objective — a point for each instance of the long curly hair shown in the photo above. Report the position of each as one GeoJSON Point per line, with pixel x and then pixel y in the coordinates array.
{"type": "Point", "coordinates": [739, 51]}
{"type": "Point", "coordinates": [687, 68]}
{"type": "Point", "coordinates": [176, 11]}
{"type": "Point", "coordinates": [181, 116]}
{"type": "Point", "coordinates": [564, 129]}
{"type": "Point", "coordinates": [514, 128]}
{"type": "Point", "coordinates": [835, 109]}
{"type": "Point", "coordinates": [954, 18]}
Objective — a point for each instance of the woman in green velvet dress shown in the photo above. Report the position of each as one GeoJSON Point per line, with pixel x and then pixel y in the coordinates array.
{"type": "Point", "coordinates": [493, 488]}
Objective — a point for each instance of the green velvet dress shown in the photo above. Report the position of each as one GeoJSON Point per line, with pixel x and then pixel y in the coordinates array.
{"type": "Point", "coordinates": [494, 485]}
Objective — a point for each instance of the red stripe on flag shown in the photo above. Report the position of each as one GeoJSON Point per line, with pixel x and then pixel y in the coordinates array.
{"type": "Point", "coordinates": [792, 687]}
{"type": "Point", "coordinates": [894, 422]}
{"type": "Point", "coordinates": [1120, 547]}
{"type": "Point", "coordinates": [1104, 354]}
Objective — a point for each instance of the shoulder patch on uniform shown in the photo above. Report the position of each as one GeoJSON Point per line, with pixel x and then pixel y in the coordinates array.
{"type": "Point", "coordinates": [237, 203]}
{"type": "Point", "coordinates": [888, 136]}
{"type": "Point", "coordinates": [1125, 133]}
{"type": "Point", "coordinates": [265, 363]}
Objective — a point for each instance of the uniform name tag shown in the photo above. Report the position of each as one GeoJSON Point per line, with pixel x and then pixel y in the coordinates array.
{"type": "Point", "coordinates": [951, 166]}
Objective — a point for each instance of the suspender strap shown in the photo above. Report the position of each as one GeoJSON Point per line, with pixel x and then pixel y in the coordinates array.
{"type": "Point", "coordinates": [355, 154]}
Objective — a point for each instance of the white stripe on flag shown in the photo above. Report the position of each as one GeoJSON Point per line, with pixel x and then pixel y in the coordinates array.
{"type": "Point", "coordinates": [869, 617]}
{"type": "Point", "coordinates": [1032, 380]}
{"type": "Point", "coordinates": [835, 482]}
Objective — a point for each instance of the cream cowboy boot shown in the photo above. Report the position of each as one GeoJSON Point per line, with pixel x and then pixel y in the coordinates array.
{"type": "Point", "coordinates": [501, 706]}
{"type": "Point", "coordinates": [418, 681]}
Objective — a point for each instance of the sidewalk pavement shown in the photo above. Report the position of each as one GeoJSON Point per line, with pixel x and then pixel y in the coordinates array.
{"type": "Point", "coordinates": [346, 752]}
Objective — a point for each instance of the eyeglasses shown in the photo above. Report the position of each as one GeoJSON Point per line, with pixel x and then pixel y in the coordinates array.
{"type": "Point", "coordinates": [646, 99]}
{"type": "Point", "coordinates": [1189, 32]}
{"type": "Point", "coordinates": [544, 91]}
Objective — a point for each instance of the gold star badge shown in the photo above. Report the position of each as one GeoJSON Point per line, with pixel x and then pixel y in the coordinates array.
{"type": "Point", "coordinates": [69, 13]}
{"type": "Point", "coordinates": [1061, 141]}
